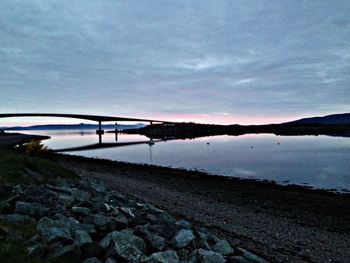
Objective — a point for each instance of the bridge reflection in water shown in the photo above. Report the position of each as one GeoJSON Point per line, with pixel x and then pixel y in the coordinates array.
{"type": "Point", "coordinates": [106, 145]}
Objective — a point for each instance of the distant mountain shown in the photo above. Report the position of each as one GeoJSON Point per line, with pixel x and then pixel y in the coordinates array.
{"type": "Point", "coordinates": [80, 126]}
{"type": "Point", "coordinates": [333, 119]}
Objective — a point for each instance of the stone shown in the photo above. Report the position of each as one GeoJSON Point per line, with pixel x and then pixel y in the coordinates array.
{"type": "Point", "coordinates": [17, 219]}
{"type": "Point", "coordinates": [182, 238]}
{"type": "Point", "coordinates": [223, 247]}
{"type": "Point", "coordinates": [101, 222]}
{"type": "Point", "coordinates": [92, 260]}
{"type": "Point", "coordinates": [208, 236]}
{"type": "Point", "coordinates": [98, 187]}
{"type": "Point", "coordinates": [119, 222]}
{"type": "Point", "coordinates": [81, 210]}
{"type": "Point", "coordinates": [66, 200]}
{"type": "Point", "coordinates": [237, 259]}
{"type": "Point", "coordinates": [54, 234]}
{"type": "Point", "coordinates": [92, 249]}
{"type": "Point", "coordinates": [183, 224]}
{"type": "Point", "coordinates": [106, 241]}
{"type": "Point", "coordinates": [81, 237]}
{"type": "Point", "coordinates": [31, 209]}
{"type": "Point", "coordinates": [63, 251]}
{"type": "Point", "coordinates": [250, 256]}
{"type": "Point", "coordinates": [54, 230]}
{"type": "Point", "coordinates": [37, 250]}
{"type": "Point", "coordinates": [127, 246]}
{"type": "Point", "coordinates": [5, 207]}
{"type": "Point", "coordinates": [169, 256]}
{"type": "Point", "coordinates": [81, 195]}
{"type": "Point", "coordinates": [127, 211]}
{"type": "Point", "coordinates": [153, 241]}
{"type": "Point", "coordinates": [206, 256]}
{"type": "Point", "coordinates": [110, 260]}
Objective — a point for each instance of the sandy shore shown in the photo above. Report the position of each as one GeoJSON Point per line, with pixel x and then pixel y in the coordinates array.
{"type": "Point", "coordinates": [281, 224]}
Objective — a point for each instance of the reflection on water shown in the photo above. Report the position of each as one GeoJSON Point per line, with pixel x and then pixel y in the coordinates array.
{"type": "Point", "coordinates": [317, 161]}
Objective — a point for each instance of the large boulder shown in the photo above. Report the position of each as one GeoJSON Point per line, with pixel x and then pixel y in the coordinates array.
{"type": "Point", "coordinates": [182, 238]}
{"type": "Point", "coordinates": [169, 256]}
{"type": "Point", "coordinates": [223, 247]}
{"type": "Point", "coordinates": [206, 256]}
{"type": "Point", "coordinates": [127, 246]}
{"type": "Point", "coordinates": [31, 209]}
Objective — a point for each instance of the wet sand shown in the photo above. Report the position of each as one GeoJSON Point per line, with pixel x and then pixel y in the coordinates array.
{"type": "Point", "coordinates": [279, 223]}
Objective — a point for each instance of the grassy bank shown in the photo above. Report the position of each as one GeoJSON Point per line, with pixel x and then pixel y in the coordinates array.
{"type": "Point", "coordinates": [15, 169]}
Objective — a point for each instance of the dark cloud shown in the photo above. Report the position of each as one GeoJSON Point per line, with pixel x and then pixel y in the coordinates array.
{"type": "Point", "coordinates": [253, 58]}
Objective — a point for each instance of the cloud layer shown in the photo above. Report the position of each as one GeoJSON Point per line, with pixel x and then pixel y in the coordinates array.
{"type": "Point", "coordinates": [227, 60]}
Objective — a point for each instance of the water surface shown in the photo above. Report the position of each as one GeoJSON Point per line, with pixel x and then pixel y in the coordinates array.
{"type": "Point", "coordinates": [316, 161]}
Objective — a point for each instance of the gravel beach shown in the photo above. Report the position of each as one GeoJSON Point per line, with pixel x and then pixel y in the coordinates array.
{"type": "Point", "coordinates": [278, 223]}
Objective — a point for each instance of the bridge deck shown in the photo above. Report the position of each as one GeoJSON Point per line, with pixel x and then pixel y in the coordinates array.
{"type": "Point", "coordinates": [78, 116]}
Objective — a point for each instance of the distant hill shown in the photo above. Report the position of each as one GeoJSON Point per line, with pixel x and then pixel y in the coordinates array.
{"type": "Point", "coordinates": [80, 126]}
{"type": "Point", "coordinates": [333, 119]}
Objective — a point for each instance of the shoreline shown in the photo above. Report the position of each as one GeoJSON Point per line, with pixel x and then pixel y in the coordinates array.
{"type": "Point", "coordinates": [279, 223]}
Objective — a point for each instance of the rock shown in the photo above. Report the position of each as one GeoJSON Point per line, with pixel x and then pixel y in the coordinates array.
{"type": "Point", "coordinates": [182, 238]}
{"type": "Point", "coordinates": [98, 187]}
{"type": "Point", "coordinates": [128, 212]}
{"type": "Point", "coordinates": [81, 237]}
{"type": "Point", "coordinates": [92, 260]}
{"type": "Point", "coordinates": [169, 256]}
{"type": "Point", "coordinates": [119, 222]}
{"type": "Point", "coordinates": [208, 236]}
{"type": "Point", "coordinates": [31, 209]}
{"type": "Point", "coordinates": [223, 247]}
{"type": "Point", "coordinates": [153, 241]}
{"type": "Point", "coordinates": [66, 200]}
{"type": "Point", "coordinates": [183, 224]}
{"type": "Point", "coordinates": [183, 254]}
{"type": "Point", "coordinates": [127, 246]}
{"type": "Point", "coordinates": [163, 229]}
{"type": "Point", "coordinates": [52, 230]}
{"type": "Point", "coordinates": [81, 195]}
{"type": "Point", "coordinates": [110, 260]}
{"type": "Point", "coordinates": [205, 256]}
{"type": "Point", "coordinates": [37, 250]}
{"type": "Point", "coordinates": [237, 259]}
{"type": "Point", "coordinates": [92, 249]}
{"type": "Point", "coordinates": [250, 256]}
{"type": "Point", "coordinates": [54, 234]}
{"type": "Point", "coordinates": [90, 228]}
{"type": "Point", "coordinates": [17, 219]}
{"type": "Point", "coordinates": [71, 251]}
{"type": "Point", "coordinates": [101, 222]}
{"type": "Point", "coordinates": [81, 210]}
{"type": "Point", "coordinates": [106, 241]}
{"type": "Point", "coordinates": [5, 207]}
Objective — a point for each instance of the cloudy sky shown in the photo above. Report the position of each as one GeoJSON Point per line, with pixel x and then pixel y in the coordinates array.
{"type": "Point", "coordinates": [209, 61]}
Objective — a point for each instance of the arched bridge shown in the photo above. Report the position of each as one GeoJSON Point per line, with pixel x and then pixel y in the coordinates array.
{"type": "Point", "coordinates": [97, 118]}
{"type": "Point", "coordinates": [76, 116]}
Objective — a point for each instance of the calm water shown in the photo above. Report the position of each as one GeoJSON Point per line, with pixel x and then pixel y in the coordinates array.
{"type": "Point", "coordinates": [316, 161]}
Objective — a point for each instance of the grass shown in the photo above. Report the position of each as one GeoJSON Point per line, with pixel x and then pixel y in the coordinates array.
{"type": "Point", "coordinates": [14, 168]}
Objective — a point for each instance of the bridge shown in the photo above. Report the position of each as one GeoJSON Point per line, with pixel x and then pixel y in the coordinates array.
{"type": "Point", "coordinates": [96, 118]}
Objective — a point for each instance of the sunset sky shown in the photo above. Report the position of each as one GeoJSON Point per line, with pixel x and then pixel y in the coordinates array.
{"type": "Point", "coordinates": [206, 61]}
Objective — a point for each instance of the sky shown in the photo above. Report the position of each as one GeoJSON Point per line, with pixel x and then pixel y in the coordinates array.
{"type": "Point", "coordinates": [204, 61]}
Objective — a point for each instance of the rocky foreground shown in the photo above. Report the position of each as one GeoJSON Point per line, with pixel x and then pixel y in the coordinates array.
{"type": "Point", "coordinates": [79, 220]}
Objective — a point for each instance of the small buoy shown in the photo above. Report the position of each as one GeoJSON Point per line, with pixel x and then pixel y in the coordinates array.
{"type": "Point", "coordinates": [207, 143]}
{"type": "Point", "coordinates": [251, 147]}
{"type": "Point", "coordinates": [278, 143]}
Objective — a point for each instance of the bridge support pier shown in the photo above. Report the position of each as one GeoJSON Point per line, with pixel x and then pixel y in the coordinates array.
{"type": "Point", "coordinates": [116, 131]}
{"type": "Point", "coordinates": [100, 132]}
